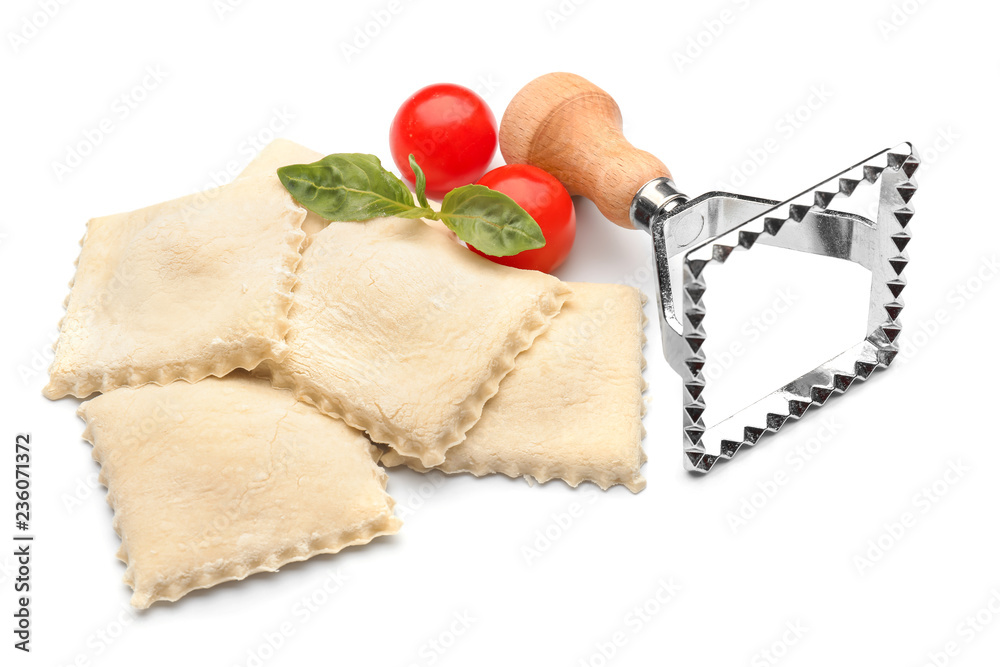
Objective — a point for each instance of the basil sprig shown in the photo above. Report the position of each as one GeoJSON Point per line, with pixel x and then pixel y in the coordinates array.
{"type": "Point", "coordinates": [351, 187]}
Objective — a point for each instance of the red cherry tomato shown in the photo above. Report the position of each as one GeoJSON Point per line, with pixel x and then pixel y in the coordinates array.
{"type": "Point", "coordinates": [450, 131]}
{"type": "Point", "coordinates": [546, 200]}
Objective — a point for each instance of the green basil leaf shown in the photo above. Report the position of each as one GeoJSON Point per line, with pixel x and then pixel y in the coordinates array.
{"type": "Point", "coordinates": [490, 220]}
{"type": "Point", "coordinates": [348, 187]}
{"type": "Point", "coordinates": [421, 182]}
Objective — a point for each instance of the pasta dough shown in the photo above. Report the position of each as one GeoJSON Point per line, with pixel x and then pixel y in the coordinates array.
{"type": "Point", "coordinates": [572, 407]}
{"type": "Point", "coordinates": [193, 287]}
{"type": "Point", "coordinates": [281, 153]}
{"type": "Point", "coordinates": [220, 479]}
{"type": "Point", "coordinates": [406, 334]}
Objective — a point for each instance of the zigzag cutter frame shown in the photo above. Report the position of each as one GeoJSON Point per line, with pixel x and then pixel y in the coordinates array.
{"type": "Point", "coordinates": [708, 229]}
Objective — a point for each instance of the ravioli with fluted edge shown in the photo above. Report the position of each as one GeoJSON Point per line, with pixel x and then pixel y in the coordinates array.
{"type": "Point", "coordinates": [223, 478]}
{"type": "Point", "coordinates": [572, 407]}
{"type": "Point", "coordinates": [185, 289]}
{"type": "Point", "coordinates": [405, 334]}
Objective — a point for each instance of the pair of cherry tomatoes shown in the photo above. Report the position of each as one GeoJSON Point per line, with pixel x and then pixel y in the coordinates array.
{"type": "Point", "coordinates": [452, 134]}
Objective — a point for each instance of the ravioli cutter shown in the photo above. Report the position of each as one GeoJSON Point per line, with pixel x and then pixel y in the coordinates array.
{"type": "Point", "coordinates": [572, 129]}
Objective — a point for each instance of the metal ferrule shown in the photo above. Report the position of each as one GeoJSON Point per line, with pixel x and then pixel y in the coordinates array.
{"type": "Point", "coordinates": [654, 198]}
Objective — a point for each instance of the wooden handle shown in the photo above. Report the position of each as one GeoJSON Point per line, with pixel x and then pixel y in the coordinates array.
{"type": "Point", "coordinates": [569, 127]}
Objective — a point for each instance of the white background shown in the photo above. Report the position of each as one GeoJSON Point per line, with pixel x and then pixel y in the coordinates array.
{"type": "Point", "coordinates": [859, 75]}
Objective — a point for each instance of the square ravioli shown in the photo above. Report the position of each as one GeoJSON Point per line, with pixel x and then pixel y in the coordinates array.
{"type": "Point", "coordinates": [217, 480]}
{"type": "Point", "coordinates": [185, 289]}
{"type": "Point", "coordinates": [572, 407]}
{"type": "Point", "coordinates": [405, 334]}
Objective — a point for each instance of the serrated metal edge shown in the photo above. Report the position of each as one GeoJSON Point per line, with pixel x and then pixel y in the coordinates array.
{"type": "Point", "coordinates": [876, 352]}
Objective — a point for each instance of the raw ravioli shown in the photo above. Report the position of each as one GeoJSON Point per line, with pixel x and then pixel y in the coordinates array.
{"type": "Point", "coordinates": [193, 287]}
{"type": "Point", "coordinates": [405, 334]}
{"type": "Point", "coordinates": [220, 479]}
{"type": "Point", "coordinates": [572, 407]}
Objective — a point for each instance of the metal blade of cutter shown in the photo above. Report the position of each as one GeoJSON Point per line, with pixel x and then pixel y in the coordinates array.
{"type": "Point", "coordinates": [706, 230]}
